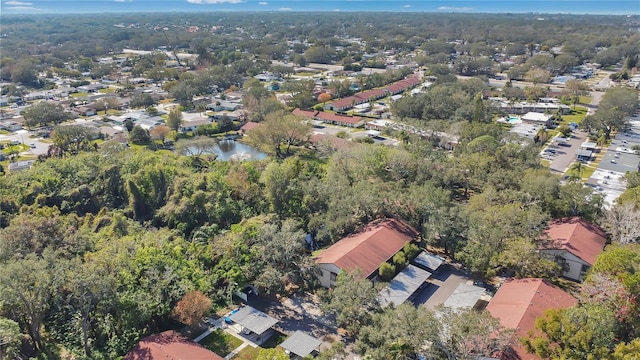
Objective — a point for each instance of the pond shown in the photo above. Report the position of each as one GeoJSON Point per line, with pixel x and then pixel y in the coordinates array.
{"type": "Point", "coordinates": [232, 150]}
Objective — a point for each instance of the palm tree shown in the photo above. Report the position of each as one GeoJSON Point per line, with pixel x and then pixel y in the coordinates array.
{"type": "Point", "coordinates": [575, 171]}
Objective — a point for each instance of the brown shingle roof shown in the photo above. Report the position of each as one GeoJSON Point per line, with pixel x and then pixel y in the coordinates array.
{"type": "Point", "coordinates": [169, 345]}
{"type": "Point", "coordinates": [518, 302]}
{"type": "Point", "coordinates": [370, 247]}
{"type": "Point", "coordinates": [304, 113]}
{"type": "Point", "coordinates": [576, 236]}
{"type": "Point", "coordinates": [326, 116]}
{"type": "Point", "coordinates": [250, 125]}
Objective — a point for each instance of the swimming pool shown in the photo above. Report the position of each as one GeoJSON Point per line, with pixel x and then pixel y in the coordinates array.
{"type": "Point", "coordinates": [513, 120]}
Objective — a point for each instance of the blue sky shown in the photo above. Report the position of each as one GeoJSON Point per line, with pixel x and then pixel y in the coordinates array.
{"type": "Point", "coordinates": [614, 7]}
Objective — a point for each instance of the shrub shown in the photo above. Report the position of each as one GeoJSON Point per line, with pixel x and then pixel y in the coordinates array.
{"type": "Point", "coordinates": [386, 271]}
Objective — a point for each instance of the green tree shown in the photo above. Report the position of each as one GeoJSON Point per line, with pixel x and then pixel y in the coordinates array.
{"type": "Point", "coordinates": [280, 257]}
{"type": "Point", "coordinates": [353, 300]}
{"type": "Point", "coordinates": [398, 332]}
{"type": "Point", "coordinates": [522, 257]}
{"type": "Point", "coordinates": [44, 113]}
{"type": "Point", "coordinates": [583, 332]}
{"type": "Point", "coordinates": [280, 129]}
{"type": "Point", "coordinates": [139, 135]}
{"type": "Point", "coordinates": [174, 119]}
{"type": "Point", "coordinates": [71, 139]}
{"type": "Point", "coordinates": [26, 293]}
{"type": "Point", "coordinates": [85, 287]}
{"type": "Point", "coordinates": [386, 271]}
{"type": "Point", "coordinates": [576, 89]}
{"type": "Point", "coordinates": [10, 338]}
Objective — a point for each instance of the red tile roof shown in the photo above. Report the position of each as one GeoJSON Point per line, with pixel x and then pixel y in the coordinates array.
{"type": "Point", "coordinates": [333, 141]}
{"type": "Point", "coordinates": [518, 302]}
{"type": "Point", "coordinates": [169, 345]}
{"type": "Point", "coordinates": [327, 116]}
{"type": "Point", "coordinates": [370, 247]}
{"type": "Point", "coordinates": [576, 236]}
{"type": "Point", "coordinates": [304, 113]}
{"type": "Point", "coordinates": [250, 125]}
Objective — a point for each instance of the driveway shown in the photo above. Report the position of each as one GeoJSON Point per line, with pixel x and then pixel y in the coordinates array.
{"type": "Point", "coordinates": [566, 154]}
{"type": "Point", "coordinates": [300, 312]}
{"type": "Point", "coordinates": [441, 286]}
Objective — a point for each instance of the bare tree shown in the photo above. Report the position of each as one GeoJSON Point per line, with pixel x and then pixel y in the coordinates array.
{"type": "Point", "coordinates": [624, 223]}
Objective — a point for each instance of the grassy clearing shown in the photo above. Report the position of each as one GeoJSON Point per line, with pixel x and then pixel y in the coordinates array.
{"type": "Point", "coordinates": [584, 100]}
{"type": "Point", "coordinates": [79, 94]}
{"type": "Point", "coordinates": [576, 116]}
{"type": "Point", "coordinates": [251, 353]}
{"type": "Point", "coordinates": [220, 342]}
{"type": "Point", "coordinates": [304, 73]}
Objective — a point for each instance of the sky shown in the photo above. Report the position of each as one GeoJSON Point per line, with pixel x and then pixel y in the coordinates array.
{"type": "Point", "coordinates": [613, 7]}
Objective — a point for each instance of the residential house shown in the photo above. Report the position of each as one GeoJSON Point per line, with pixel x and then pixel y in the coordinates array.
{"type": "Point", "coordinates": [188, 126]}
{"type": "Point", "coordinates": [517, 304]}
{"type": "Point", "coordinates": [348, 121]}
{"type": "Point", "coordinates": [537, 118]}
{"type": "Point", "coordinates": [253, 324]}
{"type": "Point", "coordinates": [372, 95]}
{"type": "Point", "coordinates": [365, 250]}
{"type": "Point", "coordinates": [250, 125]}
{"type": "Point", "coordinates": [11, 124]}
{"type": "Point", "coordinates": [309, 114]}
{"type": "Point", "coordinates": [223, 105]}
{"type": "Point", "coordinates": [169, 345]}
{"type": "Point", "coordinates": [91, 87]}
{"type": "Point", "coordinates": [20, 165]}
{"type": "Point", "coordinates": [575, 244]}
{"type": "Point", "coordinates": [84, 111]}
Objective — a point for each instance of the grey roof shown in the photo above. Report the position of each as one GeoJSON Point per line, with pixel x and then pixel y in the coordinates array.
{"type": "Point", "coordinates": [464, 296]}
{"type": "Point", "coordinates": [403, 286]}
{"type": "Point", "coordinates": [428, 260]}
{"type": "Point", "coordinates": [585, 153]}
{"type": "Point", "coordinates": [301, 344]}
{"type": "Point", "coordinates": [252, 319]}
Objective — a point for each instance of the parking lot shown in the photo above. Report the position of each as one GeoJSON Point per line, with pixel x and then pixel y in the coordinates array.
{"type": "Point", "coordinates": [565, 154]}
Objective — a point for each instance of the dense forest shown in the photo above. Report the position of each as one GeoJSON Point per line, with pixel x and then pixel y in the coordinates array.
{"type": "Point", "coordinates": [99, 245]}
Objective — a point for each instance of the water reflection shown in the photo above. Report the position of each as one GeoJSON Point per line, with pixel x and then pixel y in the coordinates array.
{"type": "Point", "coordinates": [233, 150]}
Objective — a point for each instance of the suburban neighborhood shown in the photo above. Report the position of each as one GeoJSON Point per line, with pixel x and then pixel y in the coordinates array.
{"type": "Point", "coordinates": [242, 185]}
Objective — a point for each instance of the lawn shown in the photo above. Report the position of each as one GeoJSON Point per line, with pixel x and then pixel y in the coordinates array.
{"type": "Point", "coordinates": [303, 73]}
{"type": "Point", "coordinates": [79, 94]}
{"type": "Point", "coordinates": [220, 342]}
{"type": "Point", "coordinates": [251, 353]}
{"type": "Point", "coordinates": [576, 116]}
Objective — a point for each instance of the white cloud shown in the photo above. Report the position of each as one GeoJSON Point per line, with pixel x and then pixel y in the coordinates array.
{"type": "Point", "coordinates": [407, 6]}
{"type": "Point", "coordinates": [453, 8]}
{"type": "Point", "coordinates": [285, 9]}
{"type": "Point", "coordinates": [215, 1]}
{"type": "Point", "coordinates": [122, 1]}
{"type": "Point", "coordinates": [17, 3]}
{"type": "Point", "coordinates": [23, 8]}
{"type": "Point", "coordinates": [263, 3]}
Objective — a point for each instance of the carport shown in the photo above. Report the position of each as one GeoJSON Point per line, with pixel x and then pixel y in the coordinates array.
{"type": "Point", "coordinates": [254, 324]}
{"type": "Point", "coordinates": [465, 296]}
{"type": "Point", "coordinates": [428, 261]}
{"type": "Point", "coordinates": [584, 155]}
{"type": "Point", "coordinates": [301, 344]}
{"type": "Point", "coordinates": [403, 286]}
